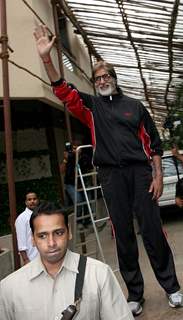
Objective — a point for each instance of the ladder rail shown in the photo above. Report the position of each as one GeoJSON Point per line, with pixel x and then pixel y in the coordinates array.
{"type": "Point", "coordinates": [84, 189]}
{"type": "Point", "coordinates": [91, 215]}
{"type": "Point", "coordinates": [78, 150]}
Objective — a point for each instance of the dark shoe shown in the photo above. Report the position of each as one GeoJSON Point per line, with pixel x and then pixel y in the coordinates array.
{"type": "Point", "coordinates": [136, 307]}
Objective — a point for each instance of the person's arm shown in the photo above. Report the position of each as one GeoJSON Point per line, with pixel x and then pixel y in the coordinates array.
{"type": "Point", "coordinates": [24, 256]}
{"type": "Point", "coordinates": [154, 149]}
{"type": "Point", "coordinates": [157, 183]}
{"type": "Point", "coordinates": [21, 233]}
{"type": "Point", "coordinates": [78, 103]}
{"type": "Point", "coordinates": [44, 47]}
{"type": "Point", "coordinates": [113, 304]}
{"type": "Point", "coordinates": [179, 202]}
{"type": "Point", "coordinates": [63, 165]}
{"type": "Point", "coordinates": [152, 135]}
{"type": "Point", "coordinates": [176, 154]}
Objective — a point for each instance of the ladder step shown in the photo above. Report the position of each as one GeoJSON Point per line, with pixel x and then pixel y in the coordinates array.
{"type": "Point", "coordinates": [116, 270]}
{"type": "Point", "coordinates": [95, 221]}
{"type": "Point", "coordinates": [93, 188]}
{"type": "Point", "coordinates": [84, 202]}
{"type": "Point", "coordinates": [83, 217]}
{"type": "Point", "coordinates": [85, 242]}
{"type": "Point", "coordinates": [89, 188]}
{"type": "Point", "coordinates": [88, 174]}
{"type": "Point", "coordinates": [102, 219]}
{"type": "Point", "coordinates": [91, 253]}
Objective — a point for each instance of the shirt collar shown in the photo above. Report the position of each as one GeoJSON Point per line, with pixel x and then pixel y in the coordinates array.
{"type": "Point", "coordinates": [27, 210]}
{"type": "Point", "coordinates": [36, 267]}
{"type": "Point", "coordinates": [70, 263]}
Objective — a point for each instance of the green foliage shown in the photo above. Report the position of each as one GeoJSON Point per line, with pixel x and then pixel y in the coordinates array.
{"type": "Point", "coordinates": [176, 114]}
{"type": "Point", "coordinates": [167, 144]}
{"type": "Point", "coordinates": [45, 188]}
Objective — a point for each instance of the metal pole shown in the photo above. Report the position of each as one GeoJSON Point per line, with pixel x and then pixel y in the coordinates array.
{"type": "Point", "coordinates": [8, 131]}
{"type": "Point", "coordinates": [59, 51]}
{"type": "Point", "coordinates": [91, 65]}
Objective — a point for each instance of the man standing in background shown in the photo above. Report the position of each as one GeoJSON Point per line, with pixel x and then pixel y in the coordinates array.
{"type": "Point", "coordinates": [26, 249]}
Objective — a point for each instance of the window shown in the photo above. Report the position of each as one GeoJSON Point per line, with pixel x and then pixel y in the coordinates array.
{"type": "Point", "coordinates": [64, 38]}
{"type": "Point", "coordinates": [64, 33]}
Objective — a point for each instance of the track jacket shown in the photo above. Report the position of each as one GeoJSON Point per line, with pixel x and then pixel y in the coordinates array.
{"type": "Point", "coordinates": [121, 128]}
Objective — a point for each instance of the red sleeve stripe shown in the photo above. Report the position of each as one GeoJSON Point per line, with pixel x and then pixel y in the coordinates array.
{"type": "Point", "coordinates": [146, 141]}
{"type": "Point", "coordinates": [76, 106]}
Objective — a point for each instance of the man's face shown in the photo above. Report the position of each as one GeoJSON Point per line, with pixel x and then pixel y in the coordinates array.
{"type": "Point", "coordinates": [105, 85]}
{"type": "Point", "coordinates": [51, 238]}
{"type": "Point", "coordinates": [31, 201]}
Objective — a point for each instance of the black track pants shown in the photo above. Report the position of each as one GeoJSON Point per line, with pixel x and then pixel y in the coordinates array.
{"type": "Point", "coordinates": [126, 191]}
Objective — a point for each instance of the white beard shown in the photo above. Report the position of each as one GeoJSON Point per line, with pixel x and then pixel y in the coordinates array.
{"type": "Point", "coordinates": [108, 91]}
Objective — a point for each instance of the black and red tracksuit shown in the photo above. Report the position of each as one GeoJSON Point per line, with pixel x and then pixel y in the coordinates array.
{"type": "Point", "coordinates": [125, 138]}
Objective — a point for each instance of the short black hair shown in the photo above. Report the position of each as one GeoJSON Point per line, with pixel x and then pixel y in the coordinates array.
{"type": "Point", "coordinates": [179, 188]}
{"type": "Point", "coordinates": [47, 208]}
{"type": "Point", "coordinates": [30, 191]}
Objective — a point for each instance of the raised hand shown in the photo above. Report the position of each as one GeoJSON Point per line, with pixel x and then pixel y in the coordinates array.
{"type": "Point", "coordinates": [43, 43]}
{"type": "Point", "coordinates": [44, 46]}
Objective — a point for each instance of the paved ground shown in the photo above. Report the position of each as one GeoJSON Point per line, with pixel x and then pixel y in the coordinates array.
{"type": "Point", "coordinates": [156, 306]}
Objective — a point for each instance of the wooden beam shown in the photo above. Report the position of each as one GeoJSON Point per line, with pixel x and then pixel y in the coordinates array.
{"type": "Point", "coordinates": [63, 5]}
{"type": "Point", "coordinates": [171, 29]}
{"type": "Point", "coordinates": [125, 21]}
{"type": "Point", "coordinates": [160, 42]}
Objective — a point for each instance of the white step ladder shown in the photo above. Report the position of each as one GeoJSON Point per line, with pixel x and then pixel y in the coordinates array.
{"type": "Point", "coordinates": [80, 240]}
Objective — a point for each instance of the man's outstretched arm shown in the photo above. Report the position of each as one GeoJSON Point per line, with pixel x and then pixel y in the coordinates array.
{"type": "Point", "coordinates": [44, 47]}
{"type": "Point", "coordinates": [78, 104]}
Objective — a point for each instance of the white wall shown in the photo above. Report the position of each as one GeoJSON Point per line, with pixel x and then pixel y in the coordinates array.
{"type": "Point", "coordinates": [21, 23]}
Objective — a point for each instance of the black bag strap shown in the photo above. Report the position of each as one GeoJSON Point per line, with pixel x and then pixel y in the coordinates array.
{"type": "Point", "coordinates": [80, 277]}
